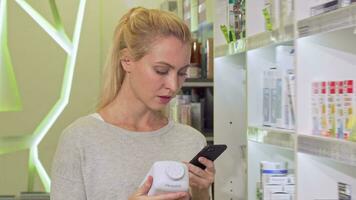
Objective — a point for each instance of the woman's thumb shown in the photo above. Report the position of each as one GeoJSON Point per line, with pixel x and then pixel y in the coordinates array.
{"type": "Point", "coordinates": [143, 190]}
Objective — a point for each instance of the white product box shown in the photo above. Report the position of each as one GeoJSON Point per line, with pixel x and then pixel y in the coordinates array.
{"type": "Point", "coordinates": [286, 12]}
{"type": "Point", "coordinates": [323, 108]}
{"type": "Point", "coordinates": [323, 6]}
{"type": "Point", "coordinates": [268, 190]}
{"type": "Point", "coordinates": [331, 107]}
{"type": "Point", "coordinates": [289, 189]}
{"type": "Point", "coordinates": [266, 90]}
{"type": "Point", "coordinates": [339, 110]}
{"type": "Point", "coordinates": [279, 180]}
{"type": "Point", "coordinates": [281, 196]}
{"type": "Point", "coordinates": [276, 98]}
{"type": "Point", "coordinates": [285, 66]}
{"type": "Point", "coordinates": [349, 108]}
{"type": "Point", "coordinates": [316, 108]}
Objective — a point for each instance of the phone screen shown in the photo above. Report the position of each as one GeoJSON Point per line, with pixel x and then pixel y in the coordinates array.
{"type": "Point", "coordinates": [210, 152]}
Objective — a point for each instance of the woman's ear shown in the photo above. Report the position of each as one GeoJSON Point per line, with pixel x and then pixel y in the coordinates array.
{"type": "Point", "coordinates": [126, 60]}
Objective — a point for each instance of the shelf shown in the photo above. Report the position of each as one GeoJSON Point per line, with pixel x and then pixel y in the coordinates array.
{"type": "Point", "coordinates": [332, 148]}
{"type": "Point", "coordinates": [270, 37]}
{"type": "Point", "coordinates": [231, 48]}
{"type": "Point", "coordinates": [198, 83]}
{"type": "Point", "coordinates": [273, 136]}
{"type": "Point", "coordinates": [327, 22]}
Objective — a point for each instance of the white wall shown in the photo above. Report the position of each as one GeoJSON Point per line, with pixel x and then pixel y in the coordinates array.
{"type": "Point", "coordinates": [38, 64]}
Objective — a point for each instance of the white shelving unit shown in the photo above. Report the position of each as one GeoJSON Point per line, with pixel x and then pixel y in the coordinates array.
{"type": "Point", "coordinates": [325, 49]}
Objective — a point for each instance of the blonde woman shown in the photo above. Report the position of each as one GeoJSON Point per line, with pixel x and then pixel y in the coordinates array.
{"type": "Point", "coordinates": [106, 155]}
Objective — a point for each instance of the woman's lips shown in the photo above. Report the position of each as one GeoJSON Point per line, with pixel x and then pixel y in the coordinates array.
{"type": "Point", "coordinates": [164, 99]}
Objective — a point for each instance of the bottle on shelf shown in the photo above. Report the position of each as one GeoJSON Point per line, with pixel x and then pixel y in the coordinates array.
{"type": "Point", "coordinates": [194, 71]}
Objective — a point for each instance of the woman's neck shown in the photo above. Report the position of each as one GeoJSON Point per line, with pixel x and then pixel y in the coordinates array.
{"type": "Point", "coordinates": [131, 114]}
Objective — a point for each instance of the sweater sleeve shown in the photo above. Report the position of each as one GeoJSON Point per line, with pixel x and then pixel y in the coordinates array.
{"type": "Point", "coordinates": [67, 178]}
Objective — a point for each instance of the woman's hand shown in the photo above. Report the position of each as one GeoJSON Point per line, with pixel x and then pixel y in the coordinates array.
{"type": "Point", "coordinates": [141, 193]}
{"type": "Point", "coordinates": [200, 180]}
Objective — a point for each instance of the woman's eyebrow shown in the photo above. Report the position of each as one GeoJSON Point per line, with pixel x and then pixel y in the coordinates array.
{"type": "Point", "coordinates": [171, 66]}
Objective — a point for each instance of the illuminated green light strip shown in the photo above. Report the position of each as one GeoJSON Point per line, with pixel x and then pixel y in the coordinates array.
{"type": "Point", "coordinates": [59, 36]}
{"type": "Point", "coordinates": [35, 163]}
{"type": "Point", "coordinates": [9, 95]}
{"type": "Point", "coordinates": [11, 144]}
{"type": "Point", "coordinates": [52, 116]}
{"type": "Point", "coordinates": [57, 18]}
{"type": "Point", "coordinates": [58, 108]}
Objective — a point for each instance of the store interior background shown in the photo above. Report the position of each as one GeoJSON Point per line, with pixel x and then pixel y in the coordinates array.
{"type": "Point", "coordinates": [38, 63]}
{"type": "Point", "coordinates": [319, 163]}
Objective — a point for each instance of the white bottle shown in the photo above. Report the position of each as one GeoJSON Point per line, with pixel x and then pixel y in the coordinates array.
{"type": "Point", "coordinates": [168, 176]}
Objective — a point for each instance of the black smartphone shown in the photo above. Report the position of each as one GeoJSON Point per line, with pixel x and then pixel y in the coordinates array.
{"type": "Point", "coordinates": [210, 152]}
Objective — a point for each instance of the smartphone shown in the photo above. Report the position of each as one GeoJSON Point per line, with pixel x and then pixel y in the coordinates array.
{"type": "Point", "coordinates": [210, 152]}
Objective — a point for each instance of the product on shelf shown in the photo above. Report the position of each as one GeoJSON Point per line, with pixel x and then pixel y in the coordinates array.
{"type": "Point", "coordinates": [344, 191]}
{"type": "Point", "coordinates": [194, 71]}
{"type": "Point", "coordinates": [331, 95]}
{"type": "Point", "coordinates": [202, 11]}
{"type": "Point", "coordinates": [210, 58]}
{"type": "Point", "coordinates": [323, 6]}
{"type": "Point", "coordinates": [186, 12]}
{"type": "Point", "coordinates": [344, 3]}
{"type": "Point", "coordinates": [236, 19]}
{"type": "Point", "coordinates": [189, 108]}
{"type": "Point", "coordinates": [275, 182]}
{"type": "Point", "coordinates": [287, 12]}
{"type": "Point", "coordinates": [236, 27]}
{"type": "Point", "coordinates": [278, 91]}
{"type": "Point", "coordinates": [270, 13]}
{"type": "Point", "coordinates": [333, 106]}
{"type": "Point", "coordinates": [350, 109]}
{"type": "Point", "coordinates": [339, 110]}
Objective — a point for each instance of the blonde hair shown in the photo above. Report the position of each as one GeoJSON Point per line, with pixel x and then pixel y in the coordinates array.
{"type": "Point", "coordinates": [137, 30]}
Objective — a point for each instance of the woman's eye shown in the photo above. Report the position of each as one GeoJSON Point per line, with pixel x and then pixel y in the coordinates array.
{"type": "Point", "coordinates": [161, 72]}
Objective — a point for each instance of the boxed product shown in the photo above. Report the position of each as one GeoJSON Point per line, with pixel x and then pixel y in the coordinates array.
{"type": "Point", "coordinates": [268, 190]}
{"type": "Point", "coordinates": [349, 108]}
{"type": "Point", "coordinates": [316, 108]}
{"type": "Point", "coordinates": [323, 109]}
{"type": "Point", "coordinates": [285, 86]}
{"type": "Point", "coordinates": [339, 110]}
{"type": "Point", "coordinates": [281, 196]}
{"type": "Point", "coordinates": [279, 180]}
{"type": "Point", "coordinates": [324, 7]}
{"type": "Point", "coordinates": [330, 112]}
{"type": "Point", "coordinates": [270, 169]}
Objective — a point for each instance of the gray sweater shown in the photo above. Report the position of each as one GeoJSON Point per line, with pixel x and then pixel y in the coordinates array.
{"type": "Point", "coordinates": [98, 161]}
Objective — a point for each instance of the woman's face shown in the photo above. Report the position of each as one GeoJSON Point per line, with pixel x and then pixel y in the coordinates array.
{"type": "Point", "coordinates": [158, 76]}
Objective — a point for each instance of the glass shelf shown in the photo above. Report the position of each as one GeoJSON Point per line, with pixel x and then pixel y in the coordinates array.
{"type": "Point", "coordinates": [271, 37]}
{"type": "Point", "coordinates": [198, 83]}
{"type": "Point", "coordinates": [231, 48]}
{"type": "Point", "coordinates": [339, 150]}
{"type": "Point", "coordinates": [327, 22]}
{"type": "Point", "coordinates": [278, 137]}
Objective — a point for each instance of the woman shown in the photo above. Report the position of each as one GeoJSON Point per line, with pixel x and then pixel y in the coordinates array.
{"type": "Point", "coordinates": [106, 155]}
